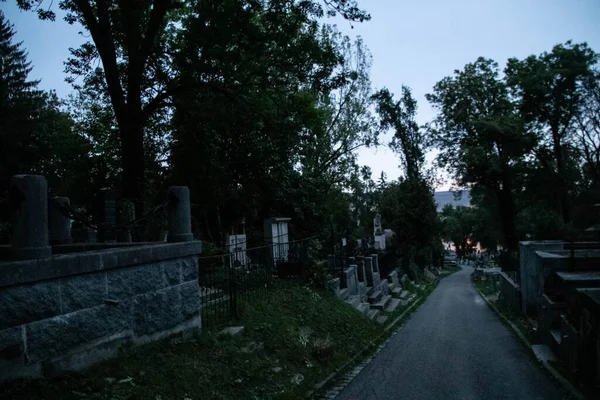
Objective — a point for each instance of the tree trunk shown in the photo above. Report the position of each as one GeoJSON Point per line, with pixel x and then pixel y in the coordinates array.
{"type": "Point", "coordinates": [506, 206]}
{"type": "Point", "coordinates": [557, 149]}
{"type": "Point", "coordinates": [132, 155]}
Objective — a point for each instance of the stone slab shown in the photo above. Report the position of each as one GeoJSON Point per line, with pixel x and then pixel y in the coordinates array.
{"type": "Point", "coordinates": [83, 291]}
{"type": "Point", "coordinates": [157, 311]}
{"type": "Point", "coordinates": [392, 305]}
{"type": "Point", "coordinates": [53, 336]}
{"type": "Point", "coordinates": [189, 269]}
{"type": "Point", "coordinates": [140, 279]}
{"type": "Point", "coordinates": [12, 345]}
{"type": "Point", "coordinates": [375, 296]}
{"type": "Point", "coordinates": [543, 352]}
{"type": "Point", "coordinates": [382, 303]}
{"type": "Point", "coordinates": [232, 331]}
{"type": "Point", "coordinates": [372, 314]}
{"type": "Point", "coordinates": [63, 265]}
{"type": "Point", "coordinates": [27, 303]}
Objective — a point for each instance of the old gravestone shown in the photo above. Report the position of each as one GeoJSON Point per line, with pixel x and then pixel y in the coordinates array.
{"type": "Point", "coordinates": [106, 216]}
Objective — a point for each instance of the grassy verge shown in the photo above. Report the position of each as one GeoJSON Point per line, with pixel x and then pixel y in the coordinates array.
{"type": "Point", "coordinates": [292, 340]}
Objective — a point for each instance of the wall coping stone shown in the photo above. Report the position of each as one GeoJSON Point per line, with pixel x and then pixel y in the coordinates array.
{"type": "Point", "coordinates": [63, 265]}
{"type": "Point", "coordinates": [509, 280]}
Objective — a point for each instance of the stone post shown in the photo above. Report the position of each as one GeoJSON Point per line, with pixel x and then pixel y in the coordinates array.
{"type": "Point", "coordinates": [29, 201]}
{"type": "Point", "coordinates": [60, 224]}
{"type": "Point", "coordinates": [180, 217]}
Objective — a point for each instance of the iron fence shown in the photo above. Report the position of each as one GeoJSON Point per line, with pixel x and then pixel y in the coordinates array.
{"type": "Point", "coordinates": [227, 280]}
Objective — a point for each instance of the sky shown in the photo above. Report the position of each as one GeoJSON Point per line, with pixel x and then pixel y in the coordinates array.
{"type": "Point", "coordinates": [413, 42]}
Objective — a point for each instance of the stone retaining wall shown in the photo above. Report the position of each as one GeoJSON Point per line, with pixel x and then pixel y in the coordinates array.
{"type": "Point", "coordinates": [68, 311]}
{"type": "Point", "coordinates": [510, 292]}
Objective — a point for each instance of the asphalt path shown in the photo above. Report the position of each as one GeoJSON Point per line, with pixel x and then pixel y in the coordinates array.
{"type": "Point", "coordinates": [453, 347]}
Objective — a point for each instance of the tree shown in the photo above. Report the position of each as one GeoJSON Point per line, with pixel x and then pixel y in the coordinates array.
{"type": "Point", "coordinates": [134, 41]}
{"type": "Point", "coordinates": [481, 137]}
{"type": "Point", "coordinates": [409, 208]}
{"type": "Point", "coordinates": [550, 91]}
{"type": "Point", "coordinates": [408, 141]}
{"type": "Point", "coordinates": [458, 225]}
{"type": "Point", "coordinates": [20, 105]}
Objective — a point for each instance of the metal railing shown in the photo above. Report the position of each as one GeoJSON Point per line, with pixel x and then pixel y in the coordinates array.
{"type": "Point", "coordinates": [227, 280]}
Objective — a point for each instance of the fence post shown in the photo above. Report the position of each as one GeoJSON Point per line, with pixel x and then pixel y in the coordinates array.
{"type": "Point", "coordinates": [60, 224]}
{"type": "Point", "coordinates": [180, 217]}
{"type": "Point", "coordinates": [29, 199]}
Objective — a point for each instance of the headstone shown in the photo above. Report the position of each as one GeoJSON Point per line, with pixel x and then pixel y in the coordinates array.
{"type": "Point", "coordinates": [127, 216]}
{"type": "Point", "coordinates": [276, 235]}
{"type": "Point", "coordinates": [360, 264]}
{"type": "Point", "coordinates": [377, 225]}
{"type": "Point", "coordinates": [60, 224]}
{"type": "Point", "coordinates": [236, 246]}
{"type": "Point", "coordinates": [107, 216]}
{"type": "Point", "coordinates": [29, 201]}
{"type": "Point", "coordinates": [180, 217]}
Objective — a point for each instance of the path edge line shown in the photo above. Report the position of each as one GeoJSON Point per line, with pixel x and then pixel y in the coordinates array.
{"type": "Point", "coordinates": [563, 381]}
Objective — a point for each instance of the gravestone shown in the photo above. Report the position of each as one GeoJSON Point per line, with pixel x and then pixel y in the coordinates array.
{"type": "Point", "coordinates": [106, 216]}
{"type": "Point", "coordinates": [276, 235]}
{"type": "Point", "coordinates": [59, 223]}
{"type": "Point", "coordinates": [236, 246]}
{"type": "Point", "coordinates": [28, 196]}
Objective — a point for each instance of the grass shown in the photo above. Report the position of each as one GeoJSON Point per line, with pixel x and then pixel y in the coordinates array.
{"type": "Point", "coordinates": [293, 339]}
{"type": "Point", "coordinates": [305, 333]}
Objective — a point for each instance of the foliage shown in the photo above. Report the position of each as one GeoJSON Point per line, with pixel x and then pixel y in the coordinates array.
{"type": "Point", "coordinates": [482, 139]}
{"type": "Point", "coordinates": [550, 90]}
{"type": "Point", "coordinates": [409, 208]}
{"type": "Point", "coordinates": [408, 141]}
{"type": "Point", "coordinates": [458, 226]}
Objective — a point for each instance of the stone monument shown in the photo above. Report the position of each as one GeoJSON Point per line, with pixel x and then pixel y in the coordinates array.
{"type": "Point", "coordinates": [378, 233]}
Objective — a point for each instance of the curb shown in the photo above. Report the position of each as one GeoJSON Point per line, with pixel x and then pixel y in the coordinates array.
{"type": "Point", "coordinates": [561, 379]}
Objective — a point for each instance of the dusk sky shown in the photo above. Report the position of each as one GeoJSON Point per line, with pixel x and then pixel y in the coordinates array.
{"type": "Point", "coordinates": [415, 43]}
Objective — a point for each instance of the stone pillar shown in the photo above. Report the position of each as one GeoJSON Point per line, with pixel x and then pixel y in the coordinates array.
{"type": "Point", "coordinates": [60, 224]}
{"type": "Point", "coordinates": [29, 201]}
{"type": "Point", "coordinates": [375, 258]}
{"type": "Point", "coordinates": [180, 217]}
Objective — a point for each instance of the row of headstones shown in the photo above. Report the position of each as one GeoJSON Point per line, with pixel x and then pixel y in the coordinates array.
{"type": "Point", "coordinates": [358, 273]}
{"type": "Point", "coordinates": [35, 226]}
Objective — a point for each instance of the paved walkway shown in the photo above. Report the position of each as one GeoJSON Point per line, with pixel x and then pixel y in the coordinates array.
{"type": "Point", "coordinates": [453, 347]}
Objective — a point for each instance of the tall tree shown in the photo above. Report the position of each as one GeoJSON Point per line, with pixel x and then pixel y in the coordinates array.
{"type": "Point", "coordinates": [550, 91]}
{"type": "Point", "coordinates": [481, 137]}
{"type": "Point", "coordinates": [408, 141]}
{"type": "Point", "coordinates": [133, 40]}
{"type": "Point", "coordinates": [20, 105]}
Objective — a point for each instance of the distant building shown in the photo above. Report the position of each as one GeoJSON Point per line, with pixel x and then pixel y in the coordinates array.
{"type": "Point", "coordinates": [443, 198]}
